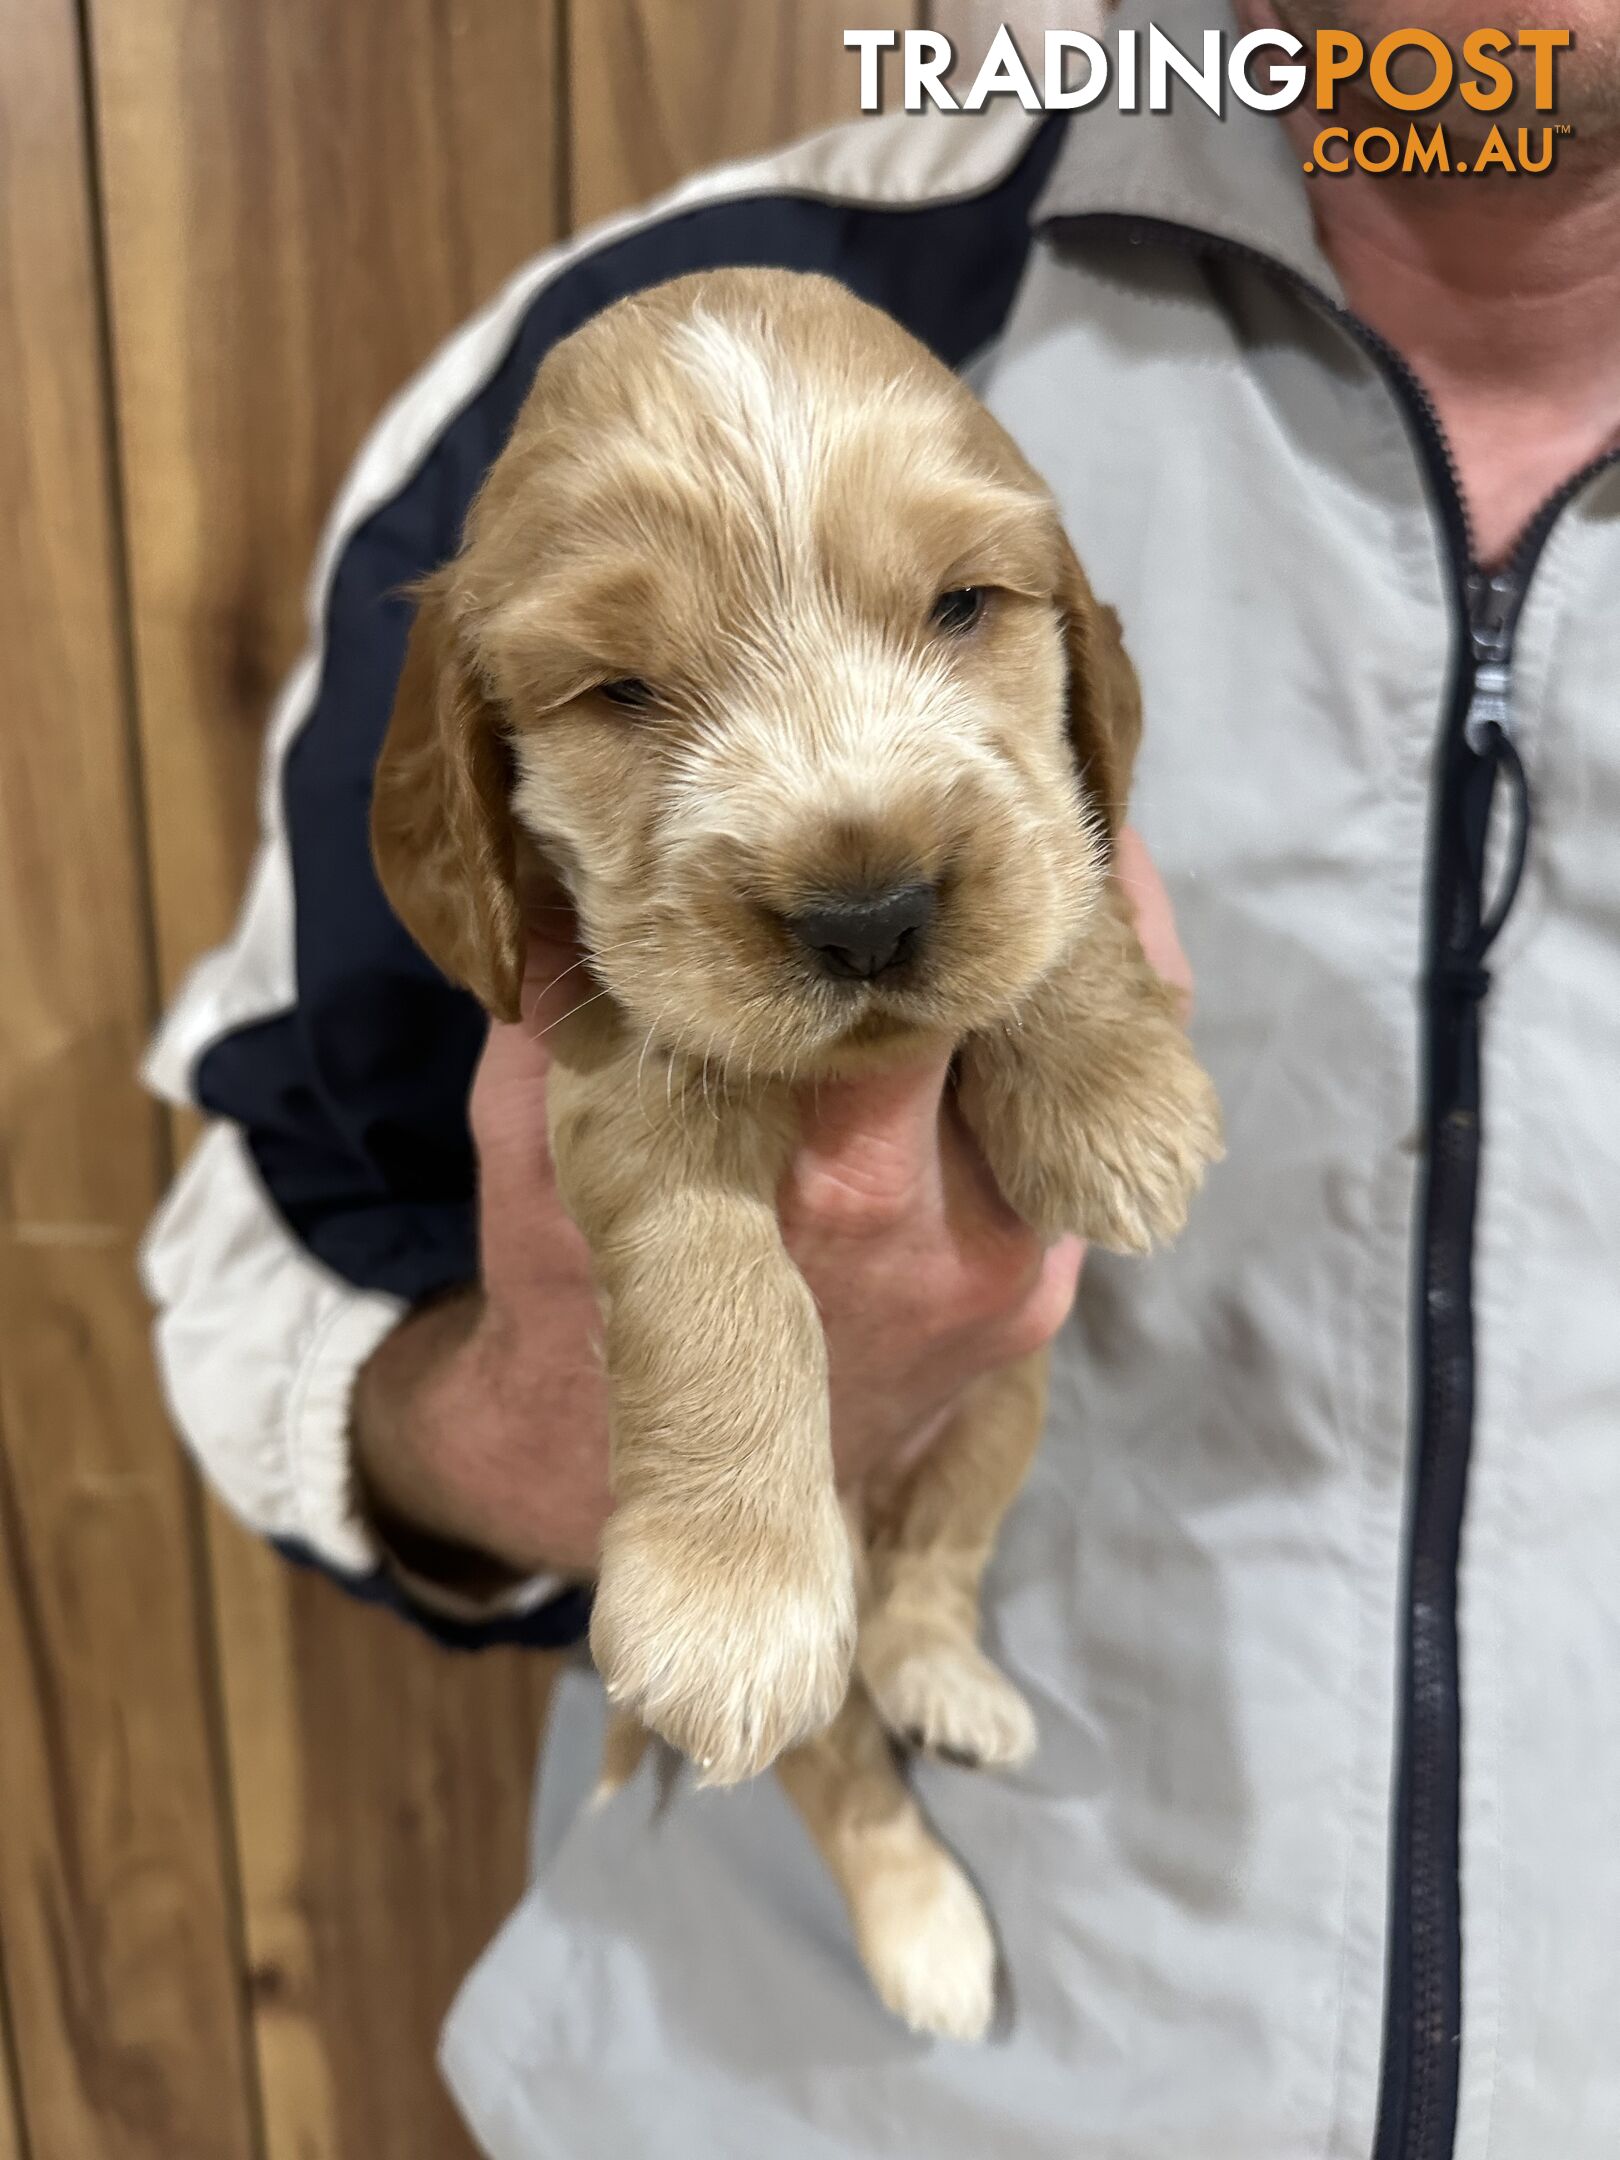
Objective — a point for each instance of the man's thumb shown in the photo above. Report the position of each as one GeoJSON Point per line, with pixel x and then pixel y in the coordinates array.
{"type": "Point", "coordinates": [873, 1140]}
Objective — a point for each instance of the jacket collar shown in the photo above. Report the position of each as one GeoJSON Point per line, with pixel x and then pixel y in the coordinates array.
{"type": "Point", "coordinates": [1235, 179]}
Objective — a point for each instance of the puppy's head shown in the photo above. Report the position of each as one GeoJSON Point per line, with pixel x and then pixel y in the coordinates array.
{"type": "Point", "coordinates": [766, 645]}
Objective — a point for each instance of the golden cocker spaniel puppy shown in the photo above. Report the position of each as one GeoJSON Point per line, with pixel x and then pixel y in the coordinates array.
{"type": "Point", "coordinates": [766, 649]}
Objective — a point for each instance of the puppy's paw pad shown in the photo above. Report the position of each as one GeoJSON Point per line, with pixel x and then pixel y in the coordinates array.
{"type": "Point", "coordinates": [927, 1945]}
{"type": "Point", "coordinates": [947, 1697]}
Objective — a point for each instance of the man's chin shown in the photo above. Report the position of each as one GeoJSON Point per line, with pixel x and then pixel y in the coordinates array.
{"type": "Point", "coordinates": [1588, 71]}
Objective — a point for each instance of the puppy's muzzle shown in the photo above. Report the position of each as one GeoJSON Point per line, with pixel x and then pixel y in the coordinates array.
{"type": "Point", "coordinates": [860, 936]}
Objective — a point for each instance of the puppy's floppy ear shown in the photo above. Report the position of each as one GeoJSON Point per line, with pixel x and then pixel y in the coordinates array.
{"type": "Point", "coordinates": [1105, 699]}
{"type": "Point", "coordinates": [441, 823]}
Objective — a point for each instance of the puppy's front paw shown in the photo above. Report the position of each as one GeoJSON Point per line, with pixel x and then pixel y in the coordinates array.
{"type": "Point", "coordinates": [1150, 1137]}
{"type": "Point", "coordinates": [732, 1642]}
{"type": "Point", "coordinates": [1114, 1149]}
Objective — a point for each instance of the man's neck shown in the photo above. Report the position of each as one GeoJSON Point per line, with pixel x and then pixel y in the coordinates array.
{"type": "Point", "coordinates": [1503, 294]}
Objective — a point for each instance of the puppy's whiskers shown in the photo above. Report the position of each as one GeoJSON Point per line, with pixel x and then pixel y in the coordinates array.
{"type": "Point", "coordinates": [641, 1063]}
{"type": "Point", "coordinates": [708, 1053]}
{"type": "Point", "coordinates": [572, 967]}
{"type": "Point", "coordinates": [569, 1015]}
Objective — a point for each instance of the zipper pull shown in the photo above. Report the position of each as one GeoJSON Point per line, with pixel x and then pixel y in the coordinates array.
{"type": "Point", "coordinates": [1490, 706]}
{"type": "Point", "coordinates": [1493, 607]}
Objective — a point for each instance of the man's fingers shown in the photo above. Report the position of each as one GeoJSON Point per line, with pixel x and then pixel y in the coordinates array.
{"type": "Point", "coordinates": [1150, 904]}
{"type": "Point", "coordinates": [869, 1148]}
{"type": "Point", "coordinates": [508, 1105]}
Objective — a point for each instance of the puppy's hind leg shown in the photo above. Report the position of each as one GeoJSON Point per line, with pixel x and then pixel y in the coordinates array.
{"type": "Point", "coordinates": [927, 1546]}
{"type": "Point", "coordinates": [919, 1926]}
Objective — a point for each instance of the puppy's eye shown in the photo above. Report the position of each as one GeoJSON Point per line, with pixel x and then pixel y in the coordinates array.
{"type": "Point", "coordinates": [630, 692]}
{"type": "Point", "coordinates": [959, 609]}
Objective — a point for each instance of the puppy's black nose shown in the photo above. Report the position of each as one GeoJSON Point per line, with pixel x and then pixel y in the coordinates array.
{"type": "Point", "coordinates": [866, 934]}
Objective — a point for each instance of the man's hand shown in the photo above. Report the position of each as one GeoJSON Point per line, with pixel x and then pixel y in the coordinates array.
{"type": "Point", "coordinates": [481, 1423]}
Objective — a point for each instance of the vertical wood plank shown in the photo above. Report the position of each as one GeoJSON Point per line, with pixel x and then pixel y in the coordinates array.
{"type": "Point", "coordinates": [300, 201]}
{"type": "Point", "coordinates": [383, 1799]}
{"type": "Point", "coordinates": [122, 1976]}
{"type": "Point", "coordinates": [122, 1985]}
{"type": "Point", "coordinates": [11, 2147]}
{"type": "Point", "coordinates": [660, 88]}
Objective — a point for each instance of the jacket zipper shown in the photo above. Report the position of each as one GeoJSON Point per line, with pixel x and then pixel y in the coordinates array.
{"type": "Point", "coordinates": [1423, 2005]}
{"type": "Point", "coordinates": [1417, 2113]}
{"type": "Point", "coordinates": [1470, 901]}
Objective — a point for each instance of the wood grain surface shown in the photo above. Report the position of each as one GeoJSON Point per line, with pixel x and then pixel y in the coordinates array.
{"type": "Point", "coordinates": [300, 202]}
{"type": "Point", "coordinates": [660, 88]}
{"type": "Point", "coordinates": [10, 2122]}
{"type": "Point", "coordinates": [122, 1978]}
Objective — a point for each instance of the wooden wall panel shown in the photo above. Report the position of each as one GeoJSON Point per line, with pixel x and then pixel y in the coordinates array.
{"type": "Point", "coordinates": [122, 1964]}
{"type": "Point", "coordinates": [660, 88]}
{"type": "Point", "coordinates": [11, 2145]}
{"type": "Point", "coordinates": [383, 1799]}
{"type": "Point", "coordinates": [300, 201]}
{"type": "Point", "coordinates": [121, 1975]}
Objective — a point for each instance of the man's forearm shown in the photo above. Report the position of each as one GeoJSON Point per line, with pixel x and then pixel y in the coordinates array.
{"type": "Point", "coordinates": [433, 1434]}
